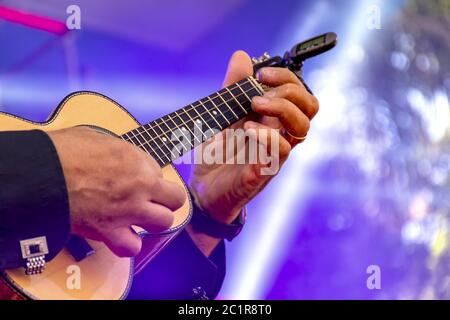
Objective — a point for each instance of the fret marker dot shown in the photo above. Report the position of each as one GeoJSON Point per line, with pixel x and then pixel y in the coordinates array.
{"type": "Point", "coordinates": [164, 139]}
{"type": "Point", "coordinates": [198, 121]}
{"type": "Point", "coordinates": [183, 128]}
{"type": "Point", "coordinates": [214, 112]}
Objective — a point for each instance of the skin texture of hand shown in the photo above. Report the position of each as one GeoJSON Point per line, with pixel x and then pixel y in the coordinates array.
{"type": "Point", "coordinates": [221, 189]}
{"type": "Point", "coordinates": [113, 185]}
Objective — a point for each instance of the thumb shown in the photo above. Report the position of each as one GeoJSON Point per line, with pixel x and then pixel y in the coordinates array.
{"type": "Point", "coordinates": [123, 242]}
{"type": "Point", "coordinates": [239, 67]}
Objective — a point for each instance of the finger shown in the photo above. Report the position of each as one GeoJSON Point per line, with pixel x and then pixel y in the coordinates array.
{"type": "Point", "coordinates": [298, 95]}
{"type": "Point", "coordinates": [168, 194]}
{"type": "Point", "coordinates": [239, 67]}
{"type": "Point", "coordinates": [292, 119]}
{"type": "Point", "coordinates": [272, 122]}
{"type": "Point", "coordinates": [266, 136]}
{"type": "Point", "coordinates": [275, 77]}
{"type": "Point", "coordinates": [153, 217]}
{"type": "Point", "coordinates": [123, 242]}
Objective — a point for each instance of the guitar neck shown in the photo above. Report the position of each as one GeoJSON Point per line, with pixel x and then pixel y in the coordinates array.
{"type": "Point", "coordinates": [177, 133]}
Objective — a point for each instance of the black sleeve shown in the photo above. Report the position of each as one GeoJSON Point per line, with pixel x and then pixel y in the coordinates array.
{"type": "Point", "coordinates": [33, 195]}
{"type": "Point", "coordinates": [181, 271]}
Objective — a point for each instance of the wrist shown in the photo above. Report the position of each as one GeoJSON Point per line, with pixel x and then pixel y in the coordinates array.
{"type": "Point", "coordinates": [217, 226]}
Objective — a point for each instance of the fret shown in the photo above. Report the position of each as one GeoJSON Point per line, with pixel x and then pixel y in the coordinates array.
{"type": "Point", "coordinates": [164, 138]}
{"type": "Point", "coordinates": [191, 114]}
{"type": "Point", "coordinates": [168, 131]}
{"type": "Point", "coordinates": [204, 105]}
{"type": "Point", "coordinates": [158, 139]}
{"type": "Point", "coordinates": [126, 137]}
{"type": "Point", "coordinates": [176, 118]}
{"type": "Point", "coordinates": [176, 126]}
{"type": "Point", "coordinates": [243, 92]}
{"type": "Point", "coordinates": [140, 136]}
{"type": "Point", "coordinates": [215, 110]}
{"type": "Point", "coordinates": [256, 85]}
{"type": "Point", "coordinates": [174, 133]}
{"type": "Point", "coordinates": [233, 95]}
{"type": "Point", "coordinates": [244, 101]}
{"type": "Point", "coordinates": [133, 138]}
{"type": "Point", "coordinates": [201, 110]}
{"type": "Point", "coordinates": [224, 109]}
{"type": "Point", "coordinates": [249, 86]}
{"type": "Point", "coordinates": [225, 103]}
{"type": "Point", "coordinates": [238, 111]}
{"type": "Point", "coordinates": [149, 141]}
{"type": "Point", "coordinates": [188, 125]}
{"type": "Point", "coordinates": [138, 139]}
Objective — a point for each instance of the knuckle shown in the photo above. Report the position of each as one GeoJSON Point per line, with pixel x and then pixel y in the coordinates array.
{"type": "Point", "coordinates": [291, 89]}
{"type": "Point", "coordinates": [307, 126]}
{"type": "Point", "coordinates": [315, 104]}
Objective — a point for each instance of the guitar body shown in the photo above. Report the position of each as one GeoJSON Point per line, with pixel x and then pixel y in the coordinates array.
{"type": "Point", "coordinates": [102, 275]}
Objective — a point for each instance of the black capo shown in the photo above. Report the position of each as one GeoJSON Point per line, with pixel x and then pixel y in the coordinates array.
{"type": "Point", "coordinates": [293, 59]}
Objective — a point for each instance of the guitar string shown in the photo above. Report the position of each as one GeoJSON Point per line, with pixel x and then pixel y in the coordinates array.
{"type": "Point", "coordinates": [163, 154]}
{"type": "Point", "coordinates": [193, 119]}
{"type": "Point", "coordinates": [186, 110]}
{"type": "Point", "coordinates": [192, 106]}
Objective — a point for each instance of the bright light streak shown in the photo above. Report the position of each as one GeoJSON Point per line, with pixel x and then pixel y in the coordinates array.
{"type": "Point", "coordinates": [256, 268]}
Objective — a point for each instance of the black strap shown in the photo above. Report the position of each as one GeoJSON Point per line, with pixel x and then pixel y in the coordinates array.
{"type": "Point", "coordinates": [201, 221]}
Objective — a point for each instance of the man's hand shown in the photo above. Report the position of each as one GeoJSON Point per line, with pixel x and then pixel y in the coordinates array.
{"type": "Point", "coordinates": [113, 185]}
{"type": "Point", "coordinates": [222, 190]}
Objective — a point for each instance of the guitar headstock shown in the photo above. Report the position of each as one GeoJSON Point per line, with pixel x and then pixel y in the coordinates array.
{"type": "Point", "coordinates": [261, 59]}
{"type": "Point", "coordinates": [294, 58]}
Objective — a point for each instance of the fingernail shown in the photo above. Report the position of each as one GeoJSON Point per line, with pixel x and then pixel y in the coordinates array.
{"type": "Point", "coordinates": [260, 100]}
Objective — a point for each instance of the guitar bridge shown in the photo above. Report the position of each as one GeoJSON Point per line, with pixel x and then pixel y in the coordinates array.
{"type": "Point", "coordinates": [34, 251]}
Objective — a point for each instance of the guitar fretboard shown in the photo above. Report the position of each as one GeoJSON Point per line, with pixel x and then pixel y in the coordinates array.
{"type": "Point", "coordinates": [177, 133]}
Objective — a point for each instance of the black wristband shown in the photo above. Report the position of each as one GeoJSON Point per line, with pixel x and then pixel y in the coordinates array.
{"type": "Point", "coordinates": [202, 222]}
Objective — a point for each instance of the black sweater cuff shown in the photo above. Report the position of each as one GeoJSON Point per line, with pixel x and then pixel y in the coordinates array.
{"type": "Point", "coordinates": [181, 271]}
{"type": "Point", "coordinates": [33, 195]}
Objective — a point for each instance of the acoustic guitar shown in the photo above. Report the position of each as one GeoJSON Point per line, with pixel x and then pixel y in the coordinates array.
{"type": "Point", "coordinates": [104, 275]}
